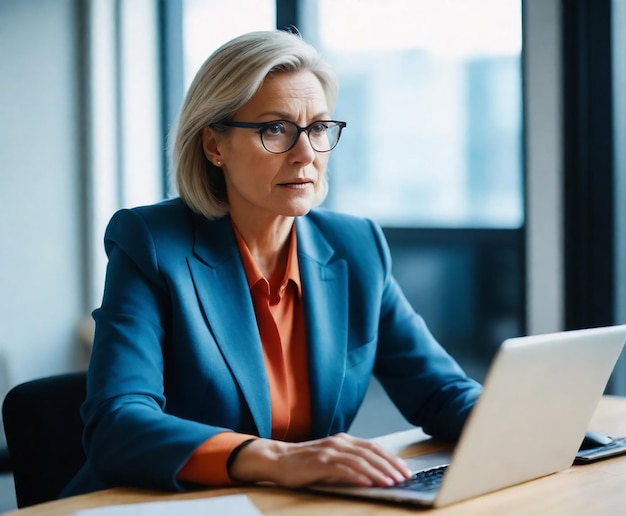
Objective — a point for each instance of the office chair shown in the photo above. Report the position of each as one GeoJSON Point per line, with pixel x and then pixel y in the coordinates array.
{"type": "Point", "coordinates": [44, 431]}
{"type": "Point", "coordinates": [5, 463]}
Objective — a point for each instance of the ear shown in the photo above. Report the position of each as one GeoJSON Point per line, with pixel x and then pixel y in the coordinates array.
{"type": "Point", "coordinates": [210, 144]}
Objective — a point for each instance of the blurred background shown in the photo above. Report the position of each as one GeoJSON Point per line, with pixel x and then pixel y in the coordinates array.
{"type": "Point", "coordinates": [482, 135]}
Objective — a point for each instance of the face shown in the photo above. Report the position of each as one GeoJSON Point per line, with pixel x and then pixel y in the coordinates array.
{"type": "Point", "coordinates": [262, 185]}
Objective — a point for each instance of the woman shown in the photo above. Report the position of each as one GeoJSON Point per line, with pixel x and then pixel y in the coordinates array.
{"type": "Point", "coordinates": [240, 327]}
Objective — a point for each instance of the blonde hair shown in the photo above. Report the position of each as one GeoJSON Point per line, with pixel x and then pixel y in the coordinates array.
{"type": "Point", "coordinates": [223, 84]}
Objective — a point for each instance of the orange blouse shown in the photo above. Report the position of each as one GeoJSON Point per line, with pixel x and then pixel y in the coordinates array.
{"type": "Point", "coordinates": [280, 319]}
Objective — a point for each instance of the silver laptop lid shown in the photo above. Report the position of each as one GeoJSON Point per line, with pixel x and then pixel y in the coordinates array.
{"type": "Point", "coordinates": [539, 395]}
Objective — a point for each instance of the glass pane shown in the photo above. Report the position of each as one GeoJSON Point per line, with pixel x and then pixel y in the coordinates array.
{"type": "Point", "coordinates": [431, 91]}
{"type": "Point", "coordinates": [208, 24]}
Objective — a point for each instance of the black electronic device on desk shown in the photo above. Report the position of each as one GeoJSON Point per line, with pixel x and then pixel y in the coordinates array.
{"type": "Point", "coordinates": [597, 446]}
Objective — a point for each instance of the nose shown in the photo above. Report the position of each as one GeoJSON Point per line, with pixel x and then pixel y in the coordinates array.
{"type": "Point", "coordinates": [302, 152]}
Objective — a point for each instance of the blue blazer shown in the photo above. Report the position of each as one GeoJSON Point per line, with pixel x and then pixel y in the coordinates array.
{"type": "Point", "coordinates": [177, 356]}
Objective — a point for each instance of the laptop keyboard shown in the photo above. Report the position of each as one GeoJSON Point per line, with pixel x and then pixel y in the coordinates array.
{"type": "Point", "coordinates": [427, 480]}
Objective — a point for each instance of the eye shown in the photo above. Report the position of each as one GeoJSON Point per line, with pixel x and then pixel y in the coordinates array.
{"type": "Point", "coordinates": [318, 128]}
{"type": "Point", "coordinates": [274, 129]}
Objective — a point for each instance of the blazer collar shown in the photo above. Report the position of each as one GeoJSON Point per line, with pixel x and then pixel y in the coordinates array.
{"type": "Point", "coordinates": [224, 296]}
{"type": "Point", "coordinates": [325, 298]}
{"type": "Point", "coordinates": [208, 233]}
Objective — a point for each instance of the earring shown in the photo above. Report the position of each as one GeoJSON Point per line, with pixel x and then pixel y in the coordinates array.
{"type": "Point", "coordinates": [218, 163]}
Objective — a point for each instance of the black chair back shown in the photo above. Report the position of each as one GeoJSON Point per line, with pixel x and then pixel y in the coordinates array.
{"type": "Point", "coordinates": [5, 463]}
{"type": "Point", "coordinates": [44, 435]}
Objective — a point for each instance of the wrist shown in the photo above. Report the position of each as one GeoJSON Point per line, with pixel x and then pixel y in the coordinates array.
{"type": "Point", "coordinates": [256, 461]}
{"type": "Point", "coordinates": [234, 454]}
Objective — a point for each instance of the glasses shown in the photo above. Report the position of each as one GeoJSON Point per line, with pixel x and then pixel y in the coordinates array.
{"type": "Point", "coordinates": [280, 136]}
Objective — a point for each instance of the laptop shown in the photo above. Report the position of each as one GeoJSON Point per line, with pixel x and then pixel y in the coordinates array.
{"type": "Point", "coordinates": [538, 398]}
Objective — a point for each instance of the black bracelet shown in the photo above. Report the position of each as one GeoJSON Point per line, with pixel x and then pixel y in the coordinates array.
{"type": "Point", "coordinates": [233, 455]}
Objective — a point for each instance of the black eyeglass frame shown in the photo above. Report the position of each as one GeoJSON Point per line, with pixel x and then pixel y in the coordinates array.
{"type": "Point", "coordinates": [260, 126]}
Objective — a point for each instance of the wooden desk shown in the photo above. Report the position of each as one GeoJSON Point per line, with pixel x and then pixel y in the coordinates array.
{"type": "Point", "coordinates": [594, 489]}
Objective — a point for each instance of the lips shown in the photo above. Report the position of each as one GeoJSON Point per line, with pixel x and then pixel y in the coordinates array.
{"type": "Point", "coordinates": [299, 183]}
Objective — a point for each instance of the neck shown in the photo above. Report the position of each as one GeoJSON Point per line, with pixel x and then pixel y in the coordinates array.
{"type": "Point", "coordinates": [268, 244]}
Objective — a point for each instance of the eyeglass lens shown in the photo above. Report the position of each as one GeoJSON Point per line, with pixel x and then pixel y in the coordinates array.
{"type": "Point", "coordinates": [282, 136]}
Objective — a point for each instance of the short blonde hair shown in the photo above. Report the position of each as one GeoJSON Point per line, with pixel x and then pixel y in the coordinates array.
{"type": "Point", "coordinates": [223, 84]}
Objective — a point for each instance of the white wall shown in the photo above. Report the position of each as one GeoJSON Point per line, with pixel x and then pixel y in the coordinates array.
{"type": "Point", "coordinates": [40, 217]}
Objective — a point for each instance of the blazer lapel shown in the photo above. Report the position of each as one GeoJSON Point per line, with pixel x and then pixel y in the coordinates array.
{"type": "Point", "coordinates": [222, 289]}
{"type": "Point", "coordinates": [325, 297]}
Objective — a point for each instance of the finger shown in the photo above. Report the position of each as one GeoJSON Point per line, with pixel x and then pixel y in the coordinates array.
{"type": "Point", "coordinates": [363, 470]}
{"type": "Point", "coordinates": [375, 455]}
{"type": "Point", "coordinates": [363, 458]}
{"type": "Point", "coordinates": [322, 461]}
{"type": "Point", "coordinates": [398, 463]}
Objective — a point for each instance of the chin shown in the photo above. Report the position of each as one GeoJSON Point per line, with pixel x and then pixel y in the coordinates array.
{"type": "Point", "coordinates": [297, 212]}
{"type": "Point", "coordinates": [298, 209]}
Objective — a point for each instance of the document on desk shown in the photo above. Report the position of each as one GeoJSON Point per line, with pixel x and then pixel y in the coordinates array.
{"type": "Point", "coordinates": [230, 504]}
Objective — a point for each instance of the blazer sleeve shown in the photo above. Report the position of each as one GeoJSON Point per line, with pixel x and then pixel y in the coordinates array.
{"type": "Point", "coordinates": [426, 384]}
{"type": "Point", "coordinates": [129, 437]}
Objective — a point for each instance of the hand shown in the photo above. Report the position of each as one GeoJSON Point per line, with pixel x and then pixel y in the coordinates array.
{"type": "Point", "coordinates": [340, 458]}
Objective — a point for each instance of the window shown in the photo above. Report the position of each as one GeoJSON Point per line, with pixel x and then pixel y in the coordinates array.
{"type": "Point", "coordinates": [431, 91]}
{"type": "Point", "coordinates": [206, 25]}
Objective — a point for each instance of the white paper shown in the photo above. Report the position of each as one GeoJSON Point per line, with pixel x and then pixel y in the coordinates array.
{"type": "Point", "coordinates": [218, 505]}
